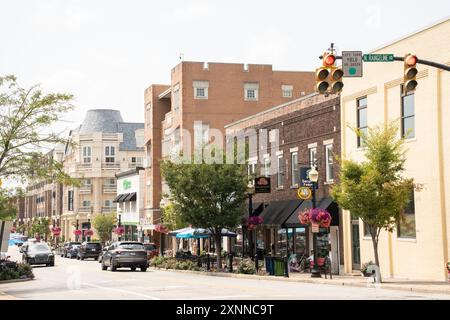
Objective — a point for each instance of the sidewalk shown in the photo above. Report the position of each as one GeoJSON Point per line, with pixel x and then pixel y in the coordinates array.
{"type": "Point", "coordinates": [354, 281]}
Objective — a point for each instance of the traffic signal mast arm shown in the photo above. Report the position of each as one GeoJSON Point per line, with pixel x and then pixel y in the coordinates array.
{"type": "Point", "coordinates": [419, 61]}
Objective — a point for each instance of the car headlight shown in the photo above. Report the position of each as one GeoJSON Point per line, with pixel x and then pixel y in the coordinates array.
{"type": "Point", "coordinates": [50, 254]}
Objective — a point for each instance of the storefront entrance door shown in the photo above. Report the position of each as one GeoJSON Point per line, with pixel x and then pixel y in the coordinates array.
{"type": "Point", "coordinates": [356, 256]}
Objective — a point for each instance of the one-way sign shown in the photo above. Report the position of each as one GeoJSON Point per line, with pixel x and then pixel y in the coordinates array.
{"type": "Point", "coordinates": [352, 64]}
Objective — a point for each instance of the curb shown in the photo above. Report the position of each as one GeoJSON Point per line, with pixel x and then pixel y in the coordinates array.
{"type": "Point", "coordinates": [15, 280]}
{"type": "Point", "coordinates": [386, 286]}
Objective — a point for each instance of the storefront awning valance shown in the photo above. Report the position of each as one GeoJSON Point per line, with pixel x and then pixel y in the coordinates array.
{"type": "Point", "coordinates": [277, 212]}
{"type": "Point", "coordinates": [118, 198]}
{"type": "Point", "coordinates": [130, 197]}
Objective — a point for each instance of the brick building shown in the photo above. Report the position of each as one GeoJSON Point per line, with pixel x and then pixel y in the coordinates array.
{"type": "Point", "coordinates": [302, 133]}
{"type": "Point", "coordinates": [209, 96]}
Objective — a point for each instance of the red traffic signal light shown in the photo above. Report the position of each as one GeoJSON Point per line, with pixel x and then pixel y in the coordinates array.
{"type": "Point", "coordinates": [329, 60]}
{"type": "Point", "coordinates": [411, 60]}
{"type": "Point", "coordinates": [410, 73]}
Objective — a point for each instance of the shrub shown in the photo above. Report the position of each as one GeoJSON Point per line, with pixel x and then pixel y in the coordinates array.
{"type": "Point", "coordinates": [247, 266]}
{"type": "Point", "coordinates": [25, 270]}
{"type": "Point", "coordinates": [11, 270]}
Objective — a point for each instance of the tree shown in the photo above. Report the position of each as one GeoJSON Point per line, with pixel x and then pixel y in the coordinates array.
{"type": "Point", "coordinates": [210, 196]}
{"type": "Point", "coordinates": [374, 190]}
{"type": "Point", "coordinates": [26, 116]}
{"type": "Point", "coordinates": [40, 227]}
{"type": "Point", "coordinates": [104, 225]}
{"type": "Point", "coordinates": [8, 208]}
{"type": "Point", "coordinates": [171, 218]}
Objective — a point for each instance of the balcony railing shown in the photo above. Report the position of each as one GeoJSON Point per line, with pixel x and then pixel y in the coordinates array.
{"type": "Point", "coordinates": [110, 188]}
{"type": "Point", "coordinates": [86, 189]}
{"type": "Point", "coordinates": [85, 209]}
{"type": "Point", "coordinates": [108, 209]}
{"type": "Point", "coordinates": [133, 165]}
{"type": "Point", "coordinates": [110, 165]}
{"type": "Point", "coordinates": [84, 166]}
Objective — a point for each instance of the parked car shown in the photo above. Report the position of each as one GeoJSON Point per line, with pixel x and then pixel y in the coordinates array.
{"type": "Point", "coordinates": [66, 247]}
{"type": "Point", "coordinates": [152, 250]}
{"type": "Point", "coordinates": [38, 253]}
{"type": "Point", "coordinates": [125, 254]}
{"type": "Point", "coordinates": [100, 256]}
{"type": "Point", "coordinates": [89, 250]}
{"type": "Point", "coordinates": [72, 251]}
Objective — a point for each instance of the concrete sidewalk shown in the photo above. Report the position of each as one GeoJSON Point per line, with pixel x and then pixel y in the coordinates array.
{"type": "Point", "coordinates": [354, 281]}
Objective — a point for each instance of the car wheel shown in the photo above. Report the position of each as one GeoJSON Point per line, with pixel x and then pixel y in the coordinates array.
{"type": "Point", "coordinates": [81, 258]}
{"type": "Point", "coordinates": [143, 269]}
{"type": "Point", "coordinates": [104, 267]}
{"type": "Point", "coordinates": [133, 268]}
{"type": "Point", "coordinates": [112, 266]}
{"type": "Point", "coordinates": [52, 264]}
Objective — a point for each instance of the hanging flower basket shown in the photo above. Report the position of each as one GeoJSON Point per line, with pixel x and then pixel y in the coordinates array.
{"type": "Point", "coordinates": [119, 230]}
{"type": "Point", "coordinates": [315, 216]}
{"type": "Point", "coordinates": [161, 228]}
{"type": "Point", "coordinates": [88, 233]}
{"type": "Point", "coordinates": [56, 231]}
{"type": "Point", "coordinates": [77, 232]}
{"type": "Point", "coordinates": [13, 230]}
{"type": "Point", "coordinates": [255, 220]}
{"type": "Point", "coordinates": [251, 227]}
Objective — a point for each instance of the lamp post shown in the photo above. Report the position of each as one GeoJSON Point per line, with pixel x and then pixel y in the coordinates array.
{"type": "Point", "coordinates": [119, 212]}
{"type": "Point", "coordinates": [88, 238]}
{"type": "Point", "coordinates": [314, 177]}
{"type": "Point", "coordinates": [76, 236]}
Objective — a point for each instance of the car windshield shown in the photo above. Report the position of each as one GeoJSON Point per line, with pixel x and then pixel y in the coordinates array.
{"type": "Point", "coordinates": [39, 247]}
{"type": "Point", "coordinates": [149, 247]}
{"type": "Point", "coordinates": [131, 246]}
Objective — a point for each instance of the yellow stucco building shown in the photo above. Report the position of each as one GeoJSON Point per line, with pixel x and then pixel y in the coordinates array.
{"type": "Point", "coordinates": [419, 248]}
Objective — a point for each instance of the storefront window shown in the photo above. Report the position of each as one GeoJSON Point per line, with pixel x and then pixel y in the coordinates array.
{"type": "Point", "coordinates": [301, 241]}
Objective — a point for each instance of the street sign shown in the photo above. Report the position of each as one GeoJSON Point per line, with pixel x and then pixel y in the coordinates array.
{"type": "Point", "coordinates": [304, 178]}
{"type": "Point", "coordinates": [384, 57]}
{"type": "Point", "coordinates": [262, 185]}
{"type": "Point", "coordinates": [304, 193]}
{"type": "Point", "coordinates": [352, 64]}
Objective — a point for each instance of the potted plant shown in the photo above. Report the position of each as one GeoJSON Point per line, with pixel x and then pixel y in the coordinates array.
{"type": "Point", "coordinates": [367, 269]}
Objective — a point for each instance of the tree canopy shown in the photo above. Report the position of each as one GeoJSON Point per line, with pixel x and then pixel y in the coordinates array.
{"type": "Point", "coordinates": [375, 190]}
{"type": "Point", "coordinates": [104, 225]}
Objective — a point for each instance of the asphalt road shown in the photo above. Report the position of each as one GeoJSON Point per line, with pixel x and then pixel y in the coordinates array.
{"type": "Point", "coordinates": [84, 280]}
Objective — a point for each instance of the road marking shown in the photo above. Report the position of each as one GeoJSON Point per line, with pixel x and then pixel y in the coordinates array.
{"type": "Point", "coordinates": [122, 291]}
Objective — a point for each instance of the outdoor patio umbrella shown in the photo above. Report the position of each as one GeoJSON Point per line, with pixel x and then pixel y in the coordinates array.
{"type": "Point", "coordinates": [193, 233]}
{"type": "Point", "coordinates": [175, 232]}
{"type": "Point", "coordinates": [14, 241]}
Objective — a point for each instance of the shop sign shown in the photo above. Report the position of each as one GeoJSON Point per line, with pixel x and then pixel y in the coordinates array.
{"type": "Point", "coordinates": [126, 184]}
{"type": "Point", "coordinates": [304, 193]}
{"type": "Point", "coordinates": [262, 185]}
{"type": "Point", "coordinates": [315, 228]}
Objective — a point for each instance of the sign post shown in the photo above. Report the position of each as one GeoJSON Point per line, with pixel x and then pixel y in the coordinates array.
{"type": "Point", "coordinates": [352, 64]}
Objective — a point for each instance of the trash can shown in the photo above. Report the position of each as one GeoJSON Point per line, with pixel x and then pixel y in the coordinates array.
{"type": "Point", "coordinates": [269, 266]}
{"type": "Point", "coordinates": [279, 267]}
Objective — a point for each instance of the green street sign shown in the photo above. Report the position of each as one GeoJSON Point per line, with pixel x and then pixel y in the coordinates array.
{"type": "Point", "coordinates": [384, 57]}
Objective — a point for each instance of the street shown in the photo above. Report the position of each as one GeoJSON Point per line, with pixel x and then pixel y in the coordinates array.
{"type": "Point", "coordinates": [84, 280]}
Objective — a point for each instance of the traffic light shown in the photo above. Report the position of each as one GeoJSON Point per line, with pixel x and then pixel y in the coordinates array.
{"type": "Point", "coordinates": [410, 73]}
{"type": "Point", "coordinates": [328, 76]}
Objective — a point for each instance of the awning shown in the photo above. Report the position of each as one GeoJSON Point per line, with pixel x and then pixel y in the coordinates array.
{"type": "Point", "coordinates": [122, 199]}
{"type": "Point", "coordinates": [326, 203]}
{"type": "Point", "coordinates": [130, 197]}
{"type": "Point", "coordinates": [116, 199]}
{"type": "Point", "coordinates": [257, 207]}
{"type": "Point", "coordinates": [277, 212]}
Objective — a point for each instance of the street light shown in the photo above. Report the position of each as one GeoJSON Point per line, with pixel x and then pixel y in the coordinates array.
{"type": "Point", "coordinates": [119, 212]}
{"type": "Point", "coordinates": [76, 236]}
{"type": "Point", "coordinates": [314, 177]}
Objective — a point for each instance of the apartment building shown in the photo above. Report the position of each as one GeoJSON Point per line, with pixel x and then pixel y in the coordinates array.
{"type": "Point", "coordinates": [204, 97]}
{"type": "Point", "coordinates": [44, 198]}
{"type": "Point", "coordinates": [100, 147]}
{"type": "Point", "coordinates": [419, 248]}
{"type": "Point", "coordinates": [291, 138]}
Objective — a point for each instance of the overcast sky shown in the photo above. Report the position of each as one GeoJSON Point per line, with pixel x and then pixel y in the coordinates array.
{"type": "Point", "coordinates": [107, 52]}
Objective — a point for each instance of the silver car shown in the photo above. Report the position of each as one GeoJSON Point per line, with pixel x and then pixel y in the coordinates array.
{"type": "Point", "coordinates": [125, 254]}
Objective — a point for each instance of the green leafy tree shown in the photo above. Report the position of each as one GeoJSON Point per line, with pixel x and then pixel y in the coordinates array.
{"type": "Point", "coordinates": [210, 196]}
{"type": "Point", "coordinates": [171, 218]}
{"type": "Point", "coordinates": [41, 227]}
{"type": "Point", "coordinates": [375, 190]}
{"type": "Point", "coordinates": [26, 118]}
{"type": "Point", "coordinates": [104, 225]}
{"type": "Point", "coordinates": [8, 208]}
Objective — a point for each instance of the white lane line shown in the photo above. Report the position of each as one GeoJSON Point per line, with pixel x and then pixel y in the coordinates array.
{"type": "Point", "coordinates": [122, 291]}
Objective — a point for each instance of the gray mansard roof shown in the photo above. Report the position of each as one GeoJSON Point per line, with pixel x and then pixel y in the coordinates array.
{"type": "Point", "coordinates": [110, 121]}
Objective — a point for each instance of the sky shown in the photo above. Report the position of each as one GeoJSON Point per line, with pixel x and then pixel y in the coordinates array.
{"type": "Point", "coordinates": [106, 52]}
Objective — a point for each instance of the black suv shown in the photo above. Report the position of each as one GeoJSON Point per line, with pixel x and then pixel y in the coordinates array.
{"type": "Point", "coordinates": [67, 247]}
{"type": "Point", "coordinates": [89, 250]}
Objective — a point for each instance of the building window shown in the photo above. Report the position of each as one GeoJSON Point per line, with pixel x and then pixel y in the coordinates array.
{"type": "Point", "coordinates": [280, 172]}
{"type": "Point", "coordinates": [108, 204]}
{"type": "Point", "coordinates": [87, 182]}
{"type": "Point", "coordinates": [287, 91]}
{"type": "Point", "coordinates": [111, 181]}
{"type": "Point", "coordinates": [361, 119]}
{"type": "Point", "coordinates": [86, 154]}
{"type": "Point", "coordinates": [70, 200]}
{"type": "Point", "coordinates": [267, 167]}
{"type": "Point", "coordinates": [329, 163]}
{"type": "Point", "coordinates": [148, 115]}
{"type": "Point", "coordinates": [86, 203]}
{"type": "Point", "coordinates": [408, 115]}
{"type": "Point", "coordinates": [295, 174]}
{"type": "Point", "coordinates": [251, 91]}
{"type": "Point", "coordinates": [313, 157]}
{"type": "Point", "coordinates": [110, 152]}
{"type": "Point", "coordinates": [201, 89]}
{"type": "Point", "coordinates": [406, 226]}
{"type": "Point", "coordinates": [176, 97]}
{"type": "Point", "coordinates": [251, 173]}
